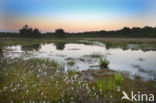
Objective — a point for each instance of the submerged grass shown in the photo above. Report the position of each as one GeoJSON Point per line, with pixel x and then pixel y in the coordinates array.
{"type": "Point", "coordinates": [44, 80]}
{"type": "Point", "coordinates": [71, 63]}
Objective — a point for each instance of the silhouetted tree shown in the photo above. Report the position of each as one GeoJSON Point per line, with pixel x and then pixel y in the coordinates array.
{"type": "Point", "coordinates": [60, 33]}
{"type": "Point", "coordinates": [25, 31]}
{"type": "Point", "coordinates": [126, 31]}
{"type": "Point", "coordinates": [29, 32]}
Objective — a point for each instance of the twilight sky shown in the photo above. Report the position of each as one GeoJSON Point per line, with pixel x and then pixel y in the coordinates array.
{"type": "Point", "coordinates": [76, 15]}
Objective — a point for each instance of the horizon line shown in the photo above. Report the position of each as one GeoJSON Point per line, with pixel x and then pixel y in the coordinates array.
{"type": "Point", "coordinates": [80, 31]}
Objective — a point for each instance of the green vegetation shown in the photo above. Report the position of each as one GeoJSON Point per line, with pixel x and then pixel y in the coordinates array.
{"type": "Point", "coordinates": [111, 86]}
{"type": "Point", "coordinates": [106, 85]}
{"type": "Point", "coordinates": [118, 78]}
{"type": "Point", "coordinates": [104, 63]}
{"type": "Point", "coordinates": [44, 80]}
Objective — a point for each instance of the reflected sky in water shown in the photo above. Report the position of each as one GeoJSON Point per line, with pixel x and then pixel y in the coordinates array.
{"type": "Point", "coordinates": [129, 60]}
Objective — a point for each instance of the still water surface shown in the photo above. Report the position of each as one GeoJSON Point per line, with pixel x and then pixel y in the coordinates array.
{"type": "Point", "coordinates": [132, 58]}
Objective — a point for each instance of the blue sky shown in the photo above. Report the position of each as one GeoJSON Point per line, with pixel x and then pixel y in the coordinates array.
{"type": "Point", "coordinates": [76, 15]}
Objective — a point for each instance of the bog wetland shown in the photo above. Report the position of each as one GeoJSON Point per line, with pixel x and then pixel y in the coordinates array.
{"type": "Point", "coordinates": [70, 70]}
{"type": "Point", "coordinates": [136, 59]}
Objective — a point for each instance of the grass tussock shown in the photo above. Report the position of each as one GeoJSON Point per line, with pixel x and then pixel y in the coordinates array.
{"type": "Point", "coordinates": [104, 63]}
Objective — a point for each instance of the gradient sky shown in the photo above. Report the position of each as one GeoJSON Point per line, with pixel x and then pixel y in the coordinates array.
{"type": "Point", "coordinates": [76, 15]}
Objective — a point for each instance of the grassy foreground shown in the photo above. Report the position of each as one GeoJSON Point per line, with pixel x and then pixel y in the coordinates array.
{"type": "Point", "coordinates": [43, 80]}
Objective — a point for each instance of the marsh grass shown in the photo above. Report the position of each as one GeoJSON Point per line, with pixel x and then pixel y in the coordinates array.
{"type": "Point", "coordinates": [118, 79]}
{"type": "Point", "coordinates": [31, 41]}
{"type": "Point", "coordinates": [44, 80]}
{"type": "Point", "coordinates": [104, 63]}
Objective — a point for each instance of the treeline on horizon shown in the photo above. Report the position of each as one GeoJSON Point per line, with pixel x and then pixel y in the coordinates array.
{"type": "Point", "coordinates": [126, 32]}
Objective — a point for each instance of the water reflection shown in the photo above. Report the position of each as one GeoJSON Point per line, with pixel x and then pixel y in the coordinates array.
{"type": "Point", "coordinates": [60, 45]}
{"type": "Point", "coordinates": [86, 56]}
{"type": "Point", "coordinates": [31, 47]}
